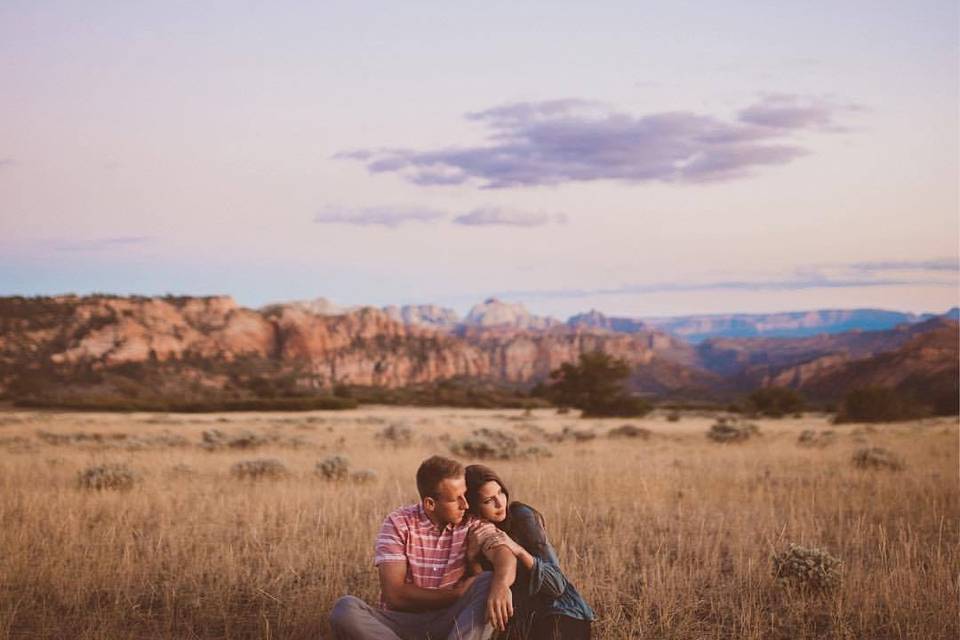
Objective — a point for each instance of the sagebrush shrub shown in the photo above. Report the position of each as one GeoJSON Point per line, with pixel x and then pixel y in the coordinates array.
{"type": "Point", "coordinates": [216, 439]}
{"type": "Point", "coordinates": [492, 444]}
{"type": "Point", "coordinates": [811, 438]}
{"type": "Point", "coordinates": [333, 468]}
{"type": "Point", "coordinates": [363, 476]}
{"type": "Point", "coordinates": [629, 431]}
{"type": "Point", "coordinates": [877, 458]}
{"type": "Point", "coordinates": [570, 433]}
{"type": "Point", "coordinates": [397, 434]}
{"type": "Point", "coordinates": [726, 431]}
{"type": "Point", "coordinates": [107, 476]}
{"type": "Point", "coordinates": [806, 568]}
{"type": "Point", "coordinates": [261, 468]}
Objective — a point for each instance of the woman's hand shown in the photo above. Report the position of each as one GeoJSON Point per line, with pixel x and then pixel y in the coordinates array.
{"type": "Point", "coordinates": [511, 544]}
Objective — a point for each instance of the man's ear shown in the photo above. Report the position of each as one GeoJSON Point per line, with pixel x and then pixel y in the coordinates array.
{"type": "Point", "coordinates": [429, 504]}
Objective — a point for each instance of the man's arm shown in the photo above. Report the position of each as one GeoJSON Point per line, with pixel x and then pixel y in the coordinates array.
{"type": "Point", "coordinates": [500, 600]}
{"type": "Point", "coordinates": [403, 596]}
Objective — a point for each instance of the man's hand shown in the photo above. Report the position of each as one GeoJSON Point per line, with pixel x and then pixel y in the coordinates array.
{"type": "Point", "coordinates": [499, 605]}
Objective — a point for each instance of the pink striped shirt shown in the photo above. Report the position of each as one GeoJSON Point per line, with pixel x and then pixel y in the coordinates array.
{"type": "Point", "coordinates": [435, 557]}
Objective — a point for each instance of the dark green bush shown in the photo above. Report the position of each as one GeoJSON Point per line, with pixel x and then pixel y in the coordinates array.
{"type": "Point", "coordinates": [775, 402]}
{"type": "Point", "coordinates": [596, 386]}
{"type": "Point", "coordinates": [879, 404]}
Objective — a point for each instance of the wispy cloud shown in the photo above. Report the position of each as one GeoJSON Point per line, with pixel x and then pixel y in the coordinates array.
{"type": "Point", "coordinates": [7, 162]}
{"type": "Point", "coordinates": [493, 216]}
{"type": "Point", "coordinates": [791, 112]}
{"type": "Point", "coordinates": [941, 264]}
{"type": "Point", "coordinates": [571, 140]}
{"type": "Point", "coordinates": [393, 217]}
{"type": "Point", "coordinates": [376, 216]}
{"type": "Point", "coordinates": [798, 282]}
{"type": "Point", "coordinates": [103, 244]}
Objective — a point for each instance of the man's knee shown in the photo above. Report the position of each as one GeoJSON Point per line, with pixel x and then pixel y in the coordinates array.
{"type": "Point", "coordinates": [345, 612]}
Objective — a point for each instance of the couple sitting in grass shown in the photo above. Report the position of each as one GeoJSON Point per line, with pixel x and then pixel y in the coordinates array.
{"type": "Point", "coordinates": [463, 563]}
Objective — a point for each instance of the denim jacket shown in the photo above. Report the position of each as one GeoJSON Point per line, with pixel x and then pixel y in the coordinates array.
{"type": "Point", "coordinates": [543, 589]}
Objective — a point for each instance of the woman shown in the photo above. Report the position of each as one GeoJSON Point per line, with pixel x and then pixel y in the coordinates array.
{"type": "Point", "coordinates": [546, 605]}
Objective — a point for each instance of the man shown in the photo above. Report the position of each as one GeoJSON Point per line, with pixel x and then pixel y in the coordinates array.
{"type": "Point", "coordinates": [420, 555]}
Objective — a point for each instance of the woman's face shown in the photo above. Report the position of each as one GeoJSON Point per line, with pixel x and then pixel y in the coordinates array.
{"type": "Point", "coordinates": [492, 502]}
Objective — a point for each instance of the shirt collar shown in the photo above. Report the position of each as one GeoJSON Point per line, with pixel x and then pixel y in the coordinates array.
{"type": "Point", "coordinates": [425, 519]}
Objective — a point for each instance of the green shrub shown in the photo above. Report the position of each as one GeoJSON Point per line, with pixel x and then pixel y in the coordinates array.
{"type": "Point", "coordinates": [263, 468]}
{"type": "Point", "coordinates": [877, 458]}
{"type": "Point", "coordinates": [727, 431]}
{"type": "Point", "coordinates": [878, 404]}
{"type": "Point", "coordinates": [107, 476]}
{"type": "Point", "coordinates": [493, 444]}
{"type": "Point", "coordinates": [629, 431]}
{"type": "Point", "coordinates": [333, 468]}
{"type": "Point", "coordinates": [807, 568]}
{"type": "Point", "coordinates": [596, 386]}
{"type": "Point", "coordinates": [775, 402]}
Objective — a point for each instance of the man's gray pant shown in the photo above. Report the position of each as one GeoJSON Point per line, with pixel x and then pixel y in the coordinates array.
{"type": "Point", "coordinates": [466, 619]}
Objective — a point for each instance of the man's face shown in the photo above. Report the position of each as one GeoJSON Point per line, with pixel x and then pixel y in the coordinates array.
{"type": "Point", "coordinates": [450, 502]}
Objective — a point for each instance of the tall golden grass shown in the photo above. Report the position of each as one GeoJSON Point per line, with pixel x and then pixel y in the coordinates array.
{"type": "Point", "coordinates": [669, 537]}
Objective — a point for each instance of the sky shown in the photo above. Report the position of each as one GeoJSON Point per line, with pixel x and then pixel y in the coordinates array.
{"type": "Point", "coordinates": [642, 159]}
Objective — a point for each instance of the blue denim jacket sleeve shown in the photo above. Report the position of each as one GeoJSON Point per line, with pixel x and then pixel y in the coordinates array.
{"type": "Point", "coordinates": [545, 576]}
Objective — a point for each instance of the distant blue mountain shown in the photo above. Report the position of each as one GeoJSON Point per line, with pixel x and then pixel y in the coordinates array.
{"type": "Point", "coordinates": [798, 324]}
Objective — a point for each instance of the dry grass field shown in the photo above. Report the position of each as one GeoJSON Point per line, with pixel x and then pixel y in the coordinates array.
{"type": "Point", "coordinates": [669, 536]}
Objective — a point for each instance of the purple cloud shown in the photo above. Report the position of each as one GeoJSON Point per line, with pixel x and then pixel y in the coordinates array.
{"type": "Point", "coordinates": [376, 216]}
{"type": "Point", "coordinates": [791, 112]}
{"type": "Point", "coordinates": [797, 283]}
{"type": "Point", "coordinates": [943, 264]}
{"type": "Point", "coordinates": [560, 141]}
{"type": "Point", "coordinates": [101, 244]}
{"type": "Point", "coordinates": [493, 216]}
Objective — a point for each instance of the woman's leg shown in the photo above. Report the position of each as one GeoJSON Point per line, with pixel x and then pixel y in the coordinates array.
{"type": "Point", "coordinates": [559, 627]}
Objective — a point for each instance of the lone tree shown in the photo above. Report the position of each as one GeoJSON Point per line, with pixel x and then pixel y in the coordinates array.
{"type": "Point", "coordinates": [595, 385]}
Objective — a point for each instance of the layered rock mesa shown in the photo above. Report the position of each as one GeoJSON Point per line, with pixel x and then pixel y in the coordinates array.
{"type": "Point", "coordinates": [926, 365]}
{"type": "Point", "coordinates": [363, 346]}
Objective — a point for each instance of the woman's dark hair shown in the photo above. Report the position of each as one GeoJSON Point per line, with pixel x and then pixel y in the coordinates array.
{"type": "Point", "coordinates": [477, 476]}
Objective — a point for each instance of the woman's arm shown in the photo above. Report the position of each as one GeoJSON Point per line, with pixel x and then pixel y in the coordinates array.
{"type": "Point", "coordinates": [536, 554]}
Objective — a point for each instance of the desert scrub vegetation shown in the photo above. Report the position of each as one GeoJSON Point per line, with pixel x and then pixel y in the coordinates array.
{"type": "Point", "coordinates": [878, 404]}
{"type": "Point", "coordinates": [877, 458]}
{"type": "Point", "coordinates": [629, 431]}
{"type": "Point", "coordinates": [259, 469]}
{"type": "Point", "coordinates": [672, 539]}
{"type": "Point", "coordinates": [806, 568]}
{"type": "Point", "coordinates": [396, 434]}
{"type": "Point", "coordinates": [813, 438]}
{"type": "Point", "coordinates": [333, 468]}
{"type": "Point", "coordinates": [495, 444]}
{"type": "Point", "coordinates": [107, 476]}
{"type": "Point", "coordinates": [774, 402]}
{"type": "Point", "coordinates": [726, 431]}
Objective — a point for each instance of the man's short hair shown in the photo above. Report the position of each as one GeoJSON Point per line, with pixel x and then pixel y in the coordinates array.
{"type": "Point", "coordinates": [435, 470]}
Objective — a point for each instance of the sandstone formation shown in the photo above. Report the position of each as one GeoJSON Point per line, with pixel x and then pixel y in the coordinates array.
{"type": "Point", "coordinates": [495, 313]}
{"type": "Point", "coordinates": [364, 346]}
{"type": "Point", "coordinates": [211, 342]}
{"type": "Point", "coordinates": [428, 315]}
